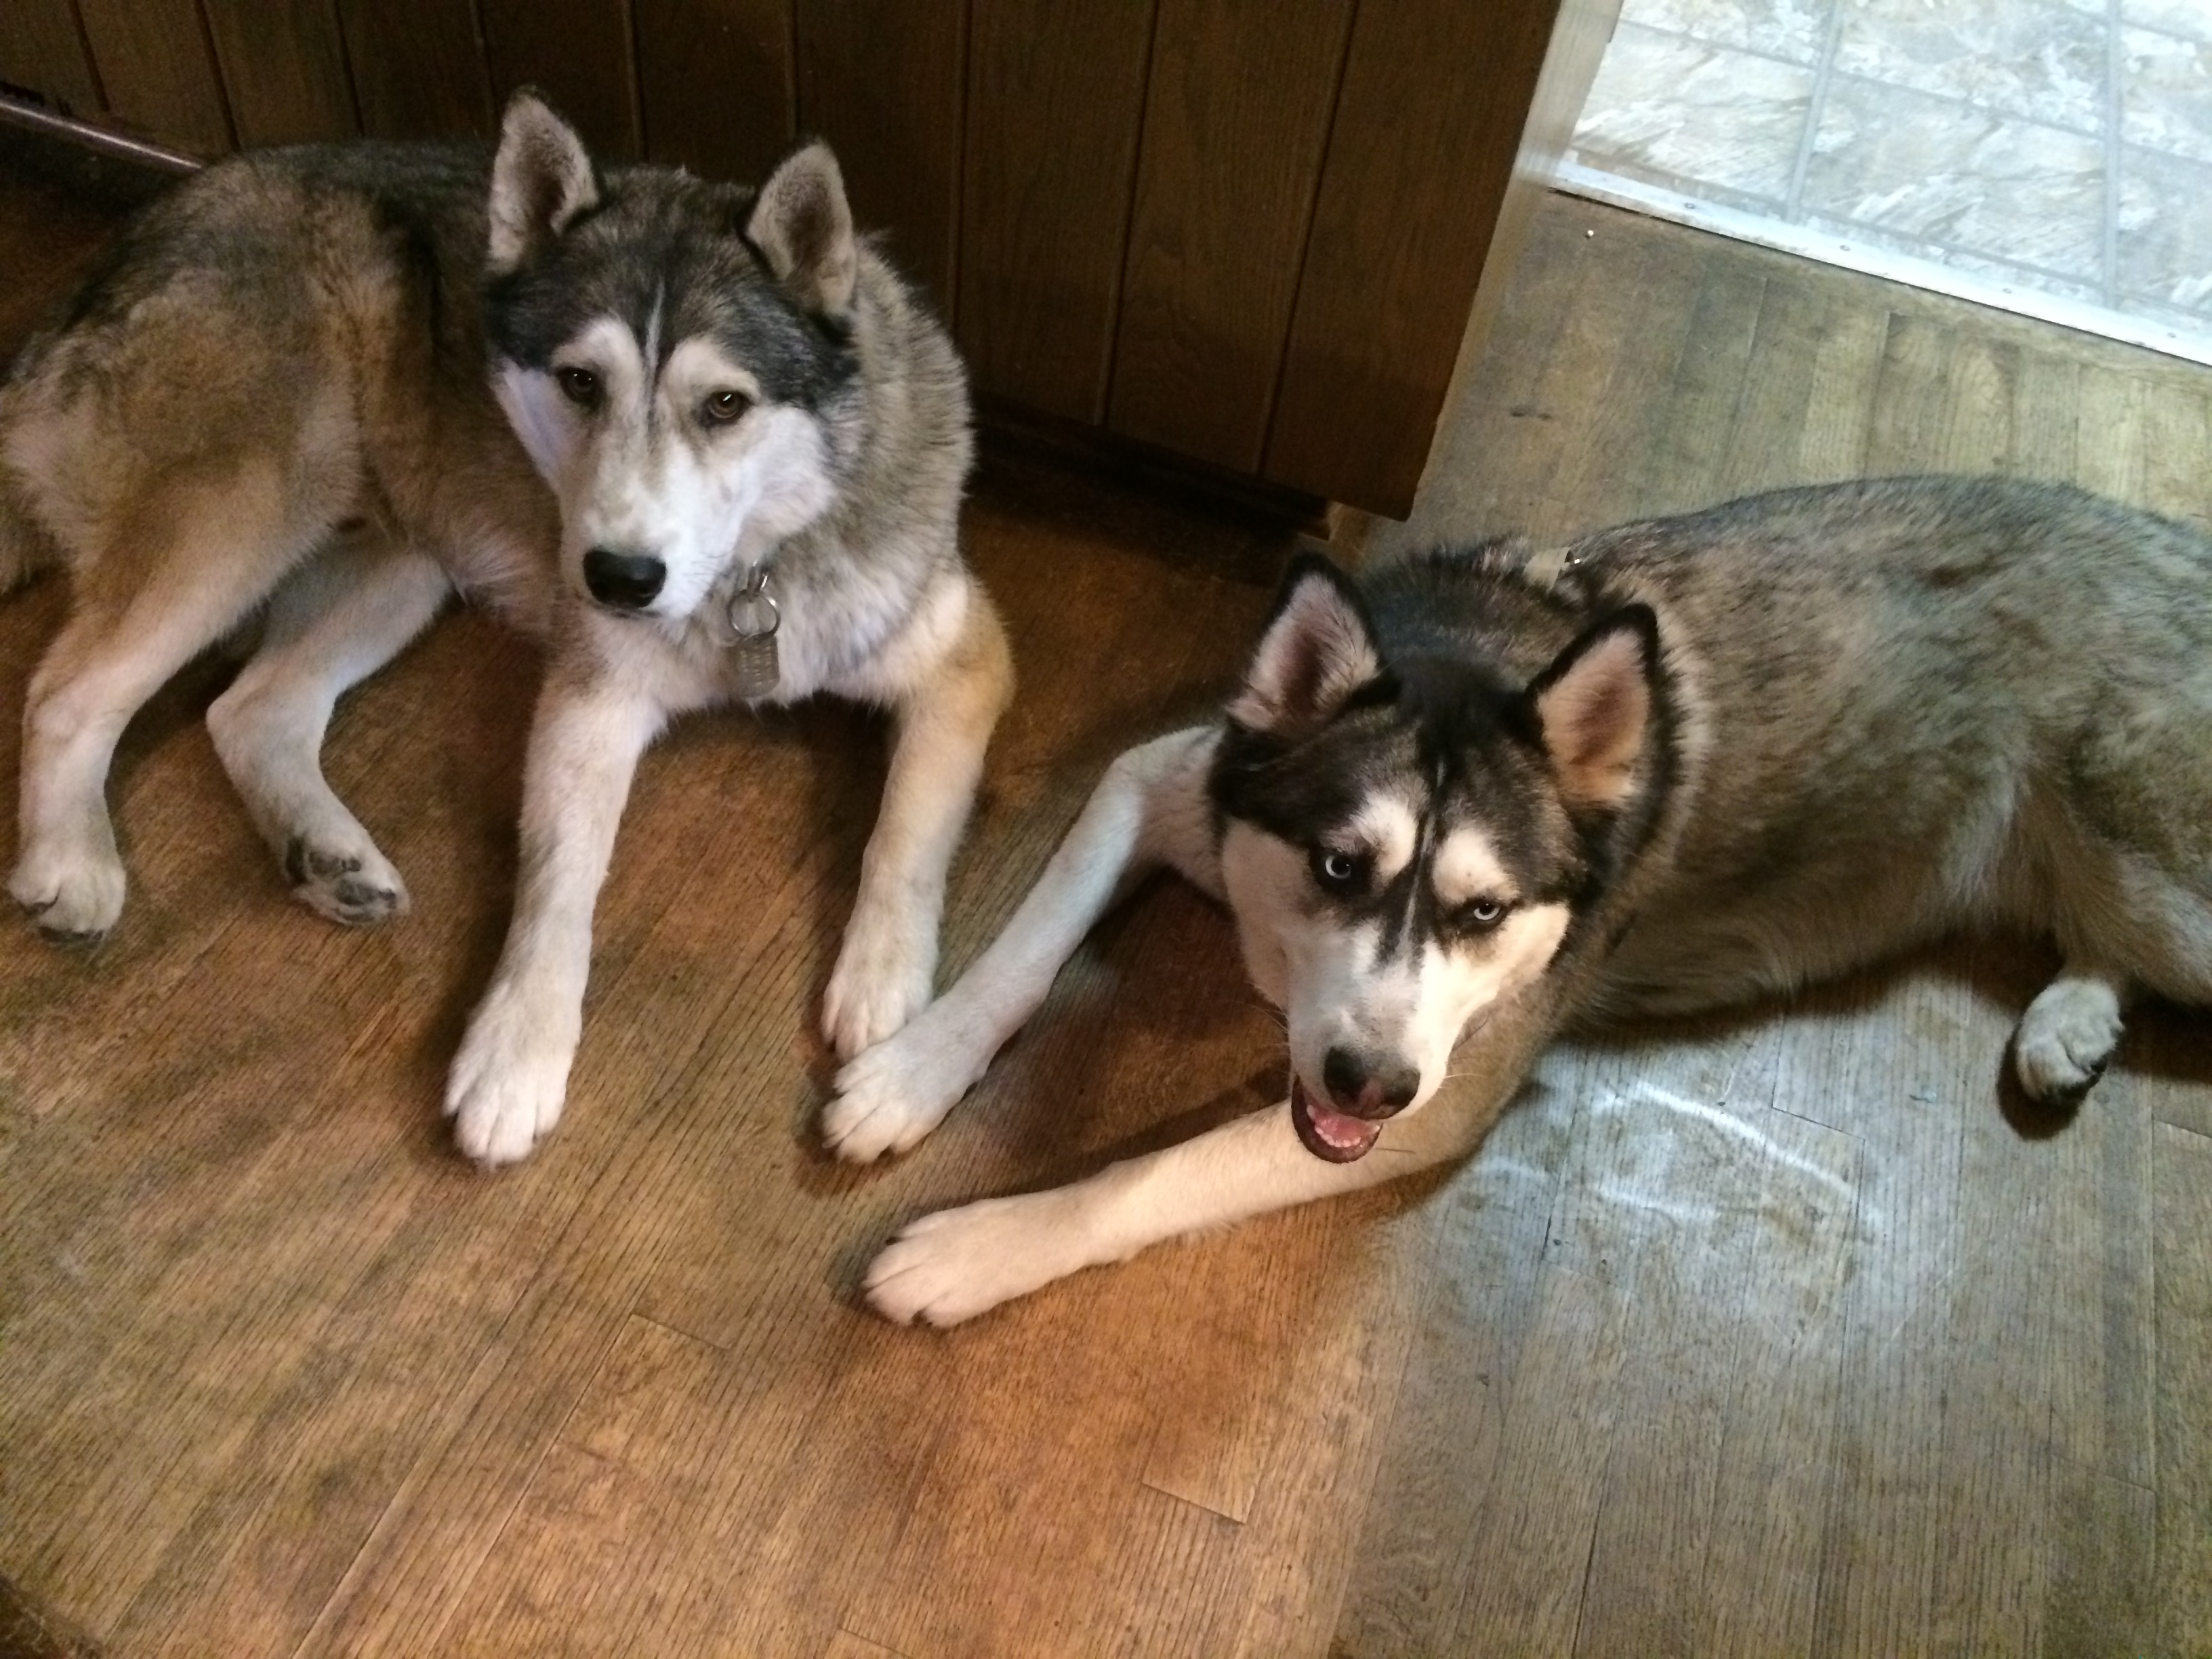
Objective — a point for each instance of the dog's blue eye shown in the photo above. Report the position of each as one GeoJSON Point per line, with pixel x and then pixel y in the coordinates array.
{"type": "Point", "coordinates": [580, 386]}
{"type": "Point", "coordinates": [724, 407]}
{"type": "Point", "coordinates": [1338, 871]}
{"type": "Point", "coordinates": [1484, 912]}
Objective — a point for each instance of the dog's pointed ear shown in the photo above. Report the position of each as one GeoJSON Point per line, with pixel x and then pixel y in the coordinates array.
{"type": "Point", "coordinates": [541, 179]}
{"type": "Point", "coordinates": [802, 228]}
{"type": "Point", "coordinates": [1593, 706]}
{"type": "Point", "coordinates": [1317, 649]}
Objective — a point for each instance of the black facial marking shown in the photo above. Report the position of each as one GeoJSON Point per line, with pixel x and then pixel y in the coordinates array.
{"type": "Point", "coordinates": [666, 242]}
{"type": "Point", "coordinates": [1449, 726]}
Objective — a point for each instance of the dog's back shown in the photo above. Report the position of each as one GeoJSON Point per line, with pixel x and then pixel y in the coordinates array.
{"type": "Point", "coordinates": [1910, 705]}
{"type": "Point", "coordinates": [302, 325]}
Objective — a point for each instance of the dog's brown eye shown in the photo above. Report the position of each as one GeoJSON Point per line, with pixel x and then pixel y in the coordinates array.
{"type": "Point", "coordinates": [580, 386]}
{"type": "Point", "coordinates": [724, 407]}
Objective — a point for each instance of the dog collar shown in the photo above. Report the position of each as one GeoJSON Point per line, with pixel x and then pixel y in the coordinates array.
{"type": "Point", "coordinates": [754, 618]}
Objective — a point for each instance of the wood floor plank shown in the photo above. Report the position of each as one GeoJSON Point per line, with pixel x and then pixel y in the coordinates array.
{"type": "Point", "coordinates": [2182, 1177]}
{"type": "Point", "coordinates": [1907, 1108]}
{"type": "Point", "coordinates": [845, 1645]}
{"type": "Point", "coordinates": [1523, 1589]}
{"type": "Point", "coordinates": [2046, 414]}
{"type": "Point", "coordinates": [1837, 434]}
{"type": "Point", "coordinates": [1665, 1202]}
{"type": "Point", "coordinates": [1334, 1392]}
{"type": "Point", "coordinates": [1761, 1574]}
{"type": "Point", "coordinates": [2109, 457]}
{"type": "Point", "coordinates": [1420, 1535]}
{"type": "Point", "coordinates": [1683, 464]}
{"type": "Point", "coordinates": [2094, 1259]}
{"type": "Point", "coordinates": [2000, 1359]}
{"type": "Point", "coordinates": [432, 1544]}
{"type": "Point", "coordinates": [2177, 441]}
{"type": "Point", "coordinates": [2103, 1593]}
{"type": "Point", "coordinates": [1608, 354]}
{"type": "Point", "coordinates": [1760, 450]}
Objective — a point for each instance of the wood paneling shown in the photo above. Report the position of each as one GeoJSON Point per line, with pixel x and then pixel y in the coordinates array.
{"type": "Point", "coordinates": [1236, 119]}
{"type": "Point", "coordinates": [1417, 172]}
{"type": "Point", "coordinates": [579, 53]}
{"type": "Point", "coordinates": [1055, 96]}
{"type": "Point", "coordinates": [418, 69]}
{"type": "Point", "coordinates": [885, 82]}
{"type": "Point", "coordinates": [42, 52]}
{"type": "Point", "coordinates": [284, 69]}
{"type": "Point", "coordinates": [716, 80]}
{"type": "Point", "coordinates": [160, 77]}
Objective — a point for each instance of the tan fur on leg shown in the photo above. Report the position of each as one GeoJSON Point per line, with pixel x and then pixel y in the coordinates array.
{"type": "Point", "coordinates": [885, 970]}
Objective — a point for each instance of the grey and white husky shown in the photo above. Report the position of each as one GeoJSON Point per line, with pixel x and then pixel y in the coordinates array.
{"type": "Point", "coordinates": [1482, 794]}
{"type": "Point", "coordinates": [701, 440]}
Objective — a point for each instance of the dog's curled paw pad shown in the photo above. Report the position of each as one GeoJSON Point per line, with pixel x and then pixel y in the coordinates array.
{"type": "Point", "coordinates": [508, 1083]}
{"type": "Point", "coordinates": [894, 1094]}
{"type": "Point", "coordinates": [877, 1110]}
{"type": "Point", "coordinates": [73, 898]}
{"type": "Point", "coordinates": [2065, 1041]}
{"type": "Point", "coordinates": [357, 889]}
{"type": "Point", "coordinates": [955, 1264]}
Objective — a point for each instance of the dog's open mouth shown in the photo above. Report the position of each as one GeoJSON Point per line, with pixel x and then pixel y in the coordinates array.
{"type": "Point", "coordinates": [1337, 1136]}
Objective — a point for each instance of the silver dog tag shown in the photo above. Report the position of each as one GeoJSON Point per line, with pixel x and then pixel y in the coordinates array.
{"type": "Point", "coordinates": [754, 618]}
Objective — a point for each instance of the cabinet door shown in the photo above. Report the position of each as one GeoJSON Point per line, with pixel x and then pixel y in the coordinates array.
{"type": "Point", "coordinates": [886, 81]}
{"type": "Point", "coordinates": [1236, 119]}
{"type": "Point", "coordinates": [418, 68]}
{"type": "Point", "coordinates": [1055, 97]}
{"type": "Point", "coordinates": [41, 53]}
{"type": "Point", "coordinates": [152, 61]}
{"type": "Point", "coordinates": [716, 76]}
{"type": "Point", "coordinates": [1435, 95]}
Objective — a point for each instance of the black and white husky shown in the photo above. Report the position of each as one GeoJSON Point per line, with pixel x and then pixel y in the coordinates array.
{"type": "Point", "coordinates": [701, 440]}
{"type": "Point", "coordinates": [1481, 794]}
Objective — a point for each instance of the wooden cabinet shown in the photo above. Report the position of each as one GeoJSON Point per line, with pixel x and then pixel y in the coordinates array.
{"type": "Point", "coordinates": [1244, 233]}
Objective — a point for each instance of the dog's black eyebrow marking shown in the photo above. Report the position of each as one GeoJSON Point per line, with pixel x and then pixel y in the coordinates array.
{"type": "Point", "coordinates": [655, 342]}
{"type": "Point", "coordinates": [1406, 906]}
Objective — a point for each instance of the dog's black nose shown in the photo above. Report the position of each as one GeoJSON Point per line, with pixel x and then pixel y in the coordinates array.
{"type": "Point", "coordinates": [1369, 1086]}
{"type": "Point", "coordinates": [626, 580]}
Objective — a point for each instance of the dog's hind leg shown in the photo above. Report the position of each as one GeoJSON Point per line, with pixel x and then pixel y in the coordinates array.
{"type": "Point", "coordinates": [888, 961]}
{"type": "Point", "coordinates": [217, 556]}
{"type": "Point", "coordinates": [1149, 808]}
{"type": "Point", "coordinates": [2128, 925]}
{"type": "Point", "coordinates": [331, 625]}
{"type": "Point", "coordinates": [955, 1264]}
{"type": "Point", "coordinates": [2067, 1037]}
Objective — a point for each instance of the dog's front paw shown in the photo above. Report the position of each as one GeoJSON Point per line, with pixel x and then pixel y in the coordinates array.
{"type": "Point", "coordinates": [354, 884]}
{"type": "Point", "coordinates": [897, 1092]}
{"type": "Point", "coordinates": [511, 1076]}
{"type": "Point", "coordinates": [2065, 1040]}
{"type": "Point", "coordinates": [74, 894]}
{"type": "Point", "coordinates": [882, 978]}
{"type": "Point", "coordinates": [958, 1263]}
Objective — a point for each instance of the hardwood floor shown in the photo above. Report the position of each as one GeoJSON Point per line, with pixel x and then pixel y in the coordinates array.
{"type": "Point", "coordinates": [1784, 1334]}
